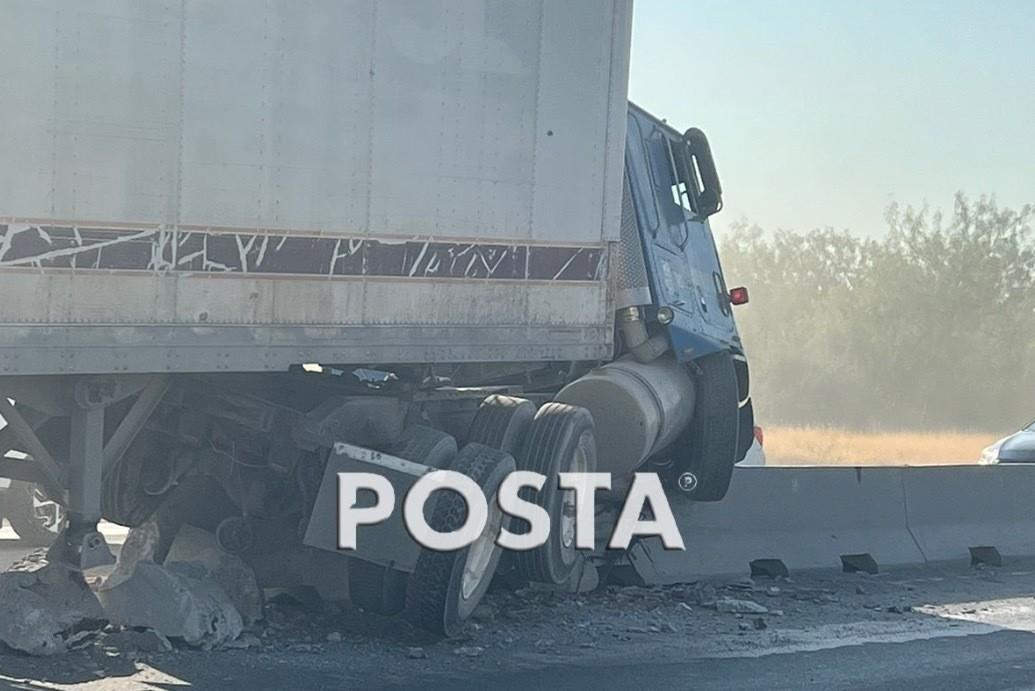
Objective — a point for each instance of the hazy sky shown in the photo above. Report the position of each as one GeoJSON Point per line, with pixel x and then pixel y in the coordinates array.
{"type": "Point", "coordinates": [821, 112]}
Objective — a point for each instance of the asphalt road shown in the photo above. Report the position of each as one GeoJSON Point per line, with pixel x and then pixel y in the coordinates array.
{"type": "Point", "coordinates": [920, 629]}
{"type": "Point", "coordinates": [1002, 660]}
{"type": "Point", "coordinates": [986, 662]}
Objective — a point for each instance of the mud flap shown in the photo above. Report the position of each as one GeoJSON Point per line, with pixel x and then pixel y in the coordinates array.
{"type": "Point", "coordinates": [705, 453]}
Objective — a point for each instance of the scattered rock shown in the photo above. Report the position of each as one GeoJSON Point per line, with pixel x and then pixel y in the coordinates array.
{"type": "Point", "coordinates": [469, 651]}
{"type": "Point", "coordinates": [859, 590]}
{"type": "Point", "coordinates": [417, 653]}
{"type": "Point", "coordinates": [305, 648]}
{"type": "Point", "coordinates": [234, 576]}
{"type": "Point", "coordinates": [759, 623]}
{"type": "Point", "coordinates": [742, 584]}
{"type": "Point", "coordinates": [46, 609]}
{"type": "Point", "coordinates": [772, 591]}
{"type": "Point", "coordinates": [688, 608]}
{"type": "Point", "coordinates": [141, 544]}
{"type": "Point", "coordinates": [244, 642]}
{"type": "Point", "coordinates": [744, 626]}
{"type": "Point", "coordinates": [483, 612]}
{"type": "Point", "coordinates": [898, 609]}
{"type": "Point", "coordinates": [145, 640]}
{"type": "Point", "coordinates": [176, 604]}
{"type": "Point", "coordinates": [735, 606]}
{"type": "Point", "coordinates": [334, 637]}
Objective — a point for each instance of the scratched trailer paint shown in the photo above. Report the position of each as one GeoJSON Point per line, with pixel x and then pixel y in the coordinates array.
{"type": "Point", "coordinates": [236, 187]}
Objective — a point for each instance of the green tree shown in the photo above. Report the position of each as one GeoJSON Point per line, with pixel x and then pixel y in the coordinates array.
{"type": "Point", "coordinates": [932, 326]}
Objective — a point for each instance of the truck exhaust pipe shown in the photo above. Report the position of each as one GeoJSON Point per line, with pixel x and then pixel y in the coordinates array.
{"type": "Point", "coordinates": [643, 346]}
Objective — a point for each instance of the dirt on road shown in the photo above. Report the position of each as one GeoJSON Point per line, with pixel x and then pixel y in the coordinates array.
{"type": "Point", "coordinates": [303, 642]}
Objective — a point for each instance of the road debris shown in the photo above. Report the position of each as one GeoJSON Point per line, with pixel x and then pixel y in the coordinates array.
{"type": "Point", "coordinates": [731, 605]}
{"type": "Point", "coordinates": [174, 600]}
{"type": "Point", "coordinates": [469, 651]}
{"type": "Point", "coordinates": [46, 609]}
{"type": "Point", "coordinates": [200, 547]}
{"type": "Point", "coordinates": [129, 639]}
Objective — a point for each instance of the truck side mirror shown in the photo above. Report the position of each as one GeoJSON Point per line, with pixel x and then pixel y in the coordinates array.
{"type": "Point", "coordinates": [709, 199]}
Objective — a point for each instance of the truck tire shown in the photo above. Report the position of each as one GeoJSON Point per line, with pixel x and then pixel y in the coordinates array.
{"type": "Point", "coordinates": [426, 445]}
{"type": "Point", "coordinates": [445, 587]}
{"type": "Point", "coordinates": [382, 589]}
{"type": "Point", "coordinates": [123, 497]}
{"type": "Point", "coordinates": [35, 518]}
{"type": "Point", "coordinates": [560, 440]}
{"type": "Point", "coordinates": [707, 450]}
{"type": "Point", "coordinates": [376, 588]}
{"type": "Point", "coordinates": [502, 422]}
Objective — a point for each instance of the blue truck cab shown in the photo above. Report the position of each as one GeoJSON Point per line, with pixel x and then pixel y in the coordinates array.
{"type": "Point", "coordinates": [671, 204]}
{"type": "Point", "coordinates": [671, 189]}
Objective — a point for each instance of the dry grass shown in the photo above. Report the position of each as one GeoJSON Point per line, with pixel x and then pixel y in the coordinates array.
{"type": "Point", "coordinates": [831, 446]}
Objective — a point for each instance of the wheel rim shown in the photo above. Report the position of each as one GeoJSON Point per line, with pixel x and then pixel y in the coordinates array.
{"type": "Point", "coordinates": [480, 553]}
{"type": "Point", "coordinates": [48, 514]}
{"type": "Point", "coordinates": [579, 464]}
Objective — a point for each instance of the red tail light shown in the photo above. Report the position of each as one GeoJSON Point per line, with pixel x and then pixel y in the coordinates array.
{"type": "Point", "coordinates": [739, 296]}
{"type": "Point", "coordinates": [759, 437]}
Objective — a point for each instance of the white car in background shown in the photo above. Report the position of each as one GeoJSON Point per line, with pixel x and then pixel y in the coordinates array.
{"type": "Point", "coordinates": [756, 453]}
{"type": "Point", "coordinates": [1019, 447]}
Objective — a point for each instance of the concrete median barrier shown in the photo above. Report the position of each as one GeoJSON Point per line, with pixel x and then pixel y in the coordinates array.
{"type": "Point", "coordinates": [950, 510]}
{"type": "Point", "coordinates": [806, 517]}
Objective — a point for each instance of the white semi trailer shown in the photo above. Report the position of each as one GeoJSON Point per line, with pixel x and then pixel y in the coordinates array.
{"type": "Point", "coordinates": [238, 240]}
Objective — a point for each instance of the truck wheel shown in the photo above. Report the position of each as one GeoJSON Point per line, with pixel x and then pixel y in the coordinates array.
{"type": "Point", "coordinates": [560, 440]}
{"type": "Point", "coordinates": [502, 422]}
{"type": "Point", "coordinates": [425, 445]}
{"type": "Point", "coordinates": [35, 518]}
{"type": "Point", "coordinates": [445, 587]}
{"type": "Point", "coordinates": [709, 445]}
{"type": "Point", "coordinates": [376, 588]}
{"type": "Point", "coordinates": [381, 589]}
{"type": "Point", "coordinates": [124, 499]}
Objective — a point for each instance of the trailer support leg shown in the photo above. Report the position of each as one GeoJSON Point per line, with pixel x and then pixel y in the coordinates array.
{"type": "Point", "coordinates": [80, 545]}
